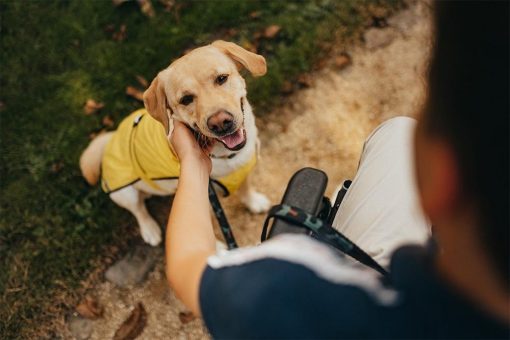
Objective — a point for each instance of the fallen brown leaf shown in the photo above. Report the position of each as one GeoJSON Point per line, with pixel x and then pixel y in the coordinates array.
{"type": "Point", "coordinates": [89, 308]}
{"type": "Point", "coordinates": [326, 45]}
{"type": "Point", "coordinates": [167, 4]}
{"type": "Point", "coordinates": [255, 14]}
{"type": "Point", "coordinates": [177, 11]}
{"type": "Point", "coordinates": [342, 61]}
{"type": "Point", "coordinates": [133, 326]}
{"type": "Point", "coordinates": [121, 34]}
{"type": "Point", "coordinates": [108, 121]}
{"type": "Point", "coordinates": [119, 2]}
{"type": "Point", "coordinates": [186, 317]}
{"type": "Point", "coordinates": [147, 8]}
{"type": "Point", "coordinates": [91, 106]}
{"type": "Point", "coordinates": [305, 80]}
{"type": "Point", "coordinates": [135, 93]}
{"type": "Point", "coordinates": [231, 32]}
{"type": "Point", "coordinates": [320, 64]}
{"type": "Point", "coordinates": [56, 167]}
{"type": "Point", "coordinates": [271, 31]}
{"type": "Point", "coordinates": [287, 87]}
{"type": "Point", "coordinates": [142, 81]}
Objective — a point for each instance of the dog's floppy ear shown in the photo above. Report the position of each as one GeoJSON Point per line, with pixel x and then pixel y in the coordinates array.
{"type": "Point", "coordinates": [154, 99]}
{"type": "Point", "coordinates": [254, 63]}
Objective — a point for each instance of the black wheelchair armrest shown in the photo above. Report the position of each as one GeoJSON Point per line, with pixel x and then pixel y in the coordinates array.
{"type": "Point", "coordinates": [306, 191]}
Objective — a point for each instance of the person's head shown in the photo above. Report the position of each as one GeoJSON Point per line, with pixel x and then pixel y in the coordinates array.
{"type": "Point", "coordinates": [462, 138]}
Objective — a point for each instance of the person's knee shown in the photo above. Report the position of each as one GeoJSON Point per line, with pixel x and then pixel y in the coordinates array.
{"type": "Point", "coordinates": [393, 128]}
{"type": "Point", "coordinates": [401, 122]}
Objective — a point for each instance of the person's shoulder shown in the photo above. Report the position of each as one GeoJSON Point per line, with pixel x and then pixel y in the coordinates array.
{"type": "Point", "coordinates": [289, 285]}
{"type": "Point", "coordinates": [292, 253]}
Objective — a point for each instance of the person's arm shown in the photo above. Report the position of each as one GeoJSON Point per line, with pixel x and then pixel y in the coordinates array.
{"type": "Point", "coordinates": [190, 238]}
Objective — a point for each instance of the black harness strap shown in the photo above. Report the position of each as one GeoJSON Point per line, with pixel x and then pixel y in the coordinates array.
{"type": "Point", "coordinates": [221, 217]}
{"type": "Point", "coordinates": [322, 231]}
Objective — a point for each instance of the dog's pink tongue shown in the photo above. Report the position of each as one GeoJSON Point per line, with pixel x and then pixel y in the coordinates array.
{"type": "Point", "coordinates": [233, 140]}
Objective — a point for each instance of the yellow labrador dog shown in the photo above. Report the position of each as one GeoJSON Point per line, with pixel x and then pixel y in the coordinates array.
{"type": "Point", "coordinates": [204, 90]}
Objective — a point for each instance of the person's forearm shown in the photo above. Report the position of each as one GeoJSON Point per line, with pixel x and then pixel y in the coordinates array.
{"type": "Point", "coordinates": [190, 238]}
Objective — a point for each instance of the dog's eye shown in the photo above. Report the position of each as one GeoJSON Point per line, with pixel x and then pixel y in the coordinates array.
{"type": "Point", "coordinates": [221, 79]}
{"type": "Point", "coordinates": [186, 100]}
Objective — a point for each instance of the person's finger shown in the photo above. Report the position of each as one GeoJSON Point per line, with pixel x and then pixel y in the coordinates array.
{"type": "Point", "coordinates": [183, 137]}
{"type": "Point", "coordinates": [181, 129]}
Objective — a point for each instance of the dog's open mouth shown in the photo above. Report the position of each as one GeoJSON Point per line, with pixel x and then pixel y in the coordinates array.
{"type": "Point", "coordinates": [235, 141]}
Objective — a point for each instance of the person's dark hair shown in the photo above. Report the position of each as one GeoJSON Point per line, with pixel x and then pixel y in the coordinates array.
{"type": "Point", "coordinates": [468, 105]}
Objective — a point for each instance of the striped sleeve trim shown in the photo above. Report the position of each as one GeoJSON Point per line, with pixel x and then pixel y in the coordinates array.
{"type": "Point", "coordinates": [323, 261]}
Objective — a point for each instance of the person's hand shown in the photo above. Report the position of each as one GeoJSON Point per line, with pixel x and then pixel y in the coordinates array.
{"type": "Point", "coordinates": [187, 149]}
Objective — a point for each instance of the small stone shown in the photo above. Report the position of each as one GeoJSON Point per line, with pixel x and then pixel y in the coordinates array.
{"type": "Point", "coordinates": [89, 308]}
{"type": "Point", "coordinates": [377, 38]}
{"type": "Point", "coordinates": [403, 21]}
{"type": "Point", "coordinates": [134, 266]}
{"type": "Point", "coordinates": [79, 327]}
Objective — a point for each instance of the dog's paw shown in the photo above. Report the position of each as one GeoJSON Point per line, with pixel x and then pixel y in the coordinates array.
{"type": "Point", "coordinates": [151, 232]}
{"type": "Point", "coordinates": [256, 202]}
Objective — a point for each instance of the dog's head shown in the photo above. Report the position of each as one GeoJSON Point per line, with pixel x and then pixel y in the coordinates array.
{"type": "Point", "coordinates": [205, 90]}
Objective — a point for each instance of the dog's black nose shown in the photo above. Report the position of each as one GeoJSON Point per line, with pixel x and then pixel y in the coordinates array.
{"type": "Point", "coordinates": [221, 123]}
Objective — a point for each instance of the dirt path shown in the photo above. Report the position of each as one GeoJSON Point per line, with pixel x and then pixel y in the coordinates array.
{"type": "Point", "coordinates": [324, 127]}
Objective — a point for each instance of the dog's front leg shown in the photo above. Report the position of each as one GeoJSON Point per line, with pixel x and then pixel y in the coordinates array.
{"type": "Point", "coordinates": [255, 201]}
{"type": "Point", "coordinates": [133, 200]}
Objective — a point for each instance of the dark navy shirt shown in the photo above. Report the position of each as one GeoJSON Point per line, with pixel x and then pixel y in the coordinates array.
{"type": "Point", "coordinates": [295, 287]}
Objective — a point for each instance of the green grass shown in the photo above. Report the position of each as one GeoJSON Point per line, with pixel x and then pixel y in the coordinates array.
{"type": "Point", "coordinates": [56, 55]}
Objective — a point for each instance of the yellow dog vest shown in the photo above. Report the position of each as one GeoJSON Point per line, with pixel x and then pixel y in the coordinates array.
{"type": "Point", "coordinates": [139, 150]}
